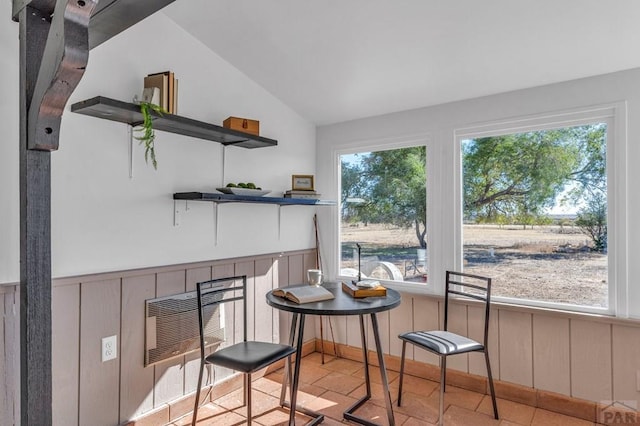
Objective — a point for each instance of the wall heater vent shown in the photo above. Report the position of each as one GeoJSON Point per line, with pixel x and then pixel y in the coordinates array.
{"type": "Point", "coordinates": [172, 327]}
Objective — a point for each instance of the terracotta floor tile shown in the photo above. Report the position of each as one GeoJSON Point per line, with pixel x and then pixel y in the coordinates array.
{"type": "Point", "coordinates": [335, 386]}
{"type": "Point", "coordinates": [377, 394]}
{"type": "Point", "coordinates": [412, 421]}
{"type": "Point", "coordinates": [276, 376]}
{"type": "Point", "coordinates": [212, 414]}
{"type": "Point", "coordinates": [331, 404]}
{"type": "Point", "coordinates": [328, 421]}
{"type": "Point", "coordinates": [310, 373]}
{"type": "Point", "coordinates": [458, 416]}
{"type": "Point", "coordinates": [510, 423]}
{"type": "Point", "coordinates": [267, 385]}
{"type": "Point", "coordinates": [378, 414]}
{"type": "Point", "coordinates": [341, 365]}
{"type": "Point", "coordinates": [279, 416]}
{"type": "Point", "coordinates": [232, 400]}
{"type": "Point", "coordinates": [415, 385]}
{"type": "Point", "coordinates": [339, 382]}
{"type": "Point", "coordinates": [374, 374]}
{"type": "Point", "coordinates": [261, 402]}
{"type": "Point", "coordinates": [315, 358]}
{"type": "Point", "coordinates": [304, 398]}
{"type": "Point", "coordinates": [549, 418]}
{"type": "Point", "coordinates": [458, 397]}
{"type": "Point", "coordinates": [418, 406]}
{"type": "Point", "coordinates": [311, 389]}
{"type": "Point", "coordinates": [508, 410]}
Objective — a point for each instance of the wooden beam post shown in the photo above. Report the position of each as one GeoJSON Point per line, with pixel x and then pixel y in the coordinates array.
{"type": "Point", "coordinates": [35, 238]}
{"type": "Point", "coordinates": [54, 50]}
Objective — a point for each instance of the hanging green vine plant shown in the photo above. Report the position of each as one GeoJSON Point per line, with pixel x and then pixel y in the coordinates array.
{"type": "Point", "coordinates": [146, 132]}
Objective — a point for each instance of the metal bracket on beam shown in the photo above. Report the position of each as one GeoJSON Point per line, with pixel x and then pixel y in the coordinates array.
{"type": "Point", "coordinates": [63, 63]}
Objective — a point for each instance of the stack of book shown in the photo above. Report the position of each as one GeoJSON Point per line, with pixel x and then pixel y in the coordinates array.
{"type": "Point", "coordinates": [167, 84]}
{"type": "Point", "coordinates": [298, 193]}
{"type": "Point", "coordinates": [366, 288]}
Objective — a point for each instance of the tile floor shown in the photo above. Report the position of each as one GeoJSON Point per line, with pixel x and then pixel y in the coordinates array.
{"type": "Point", "coordinates": [334, 386]}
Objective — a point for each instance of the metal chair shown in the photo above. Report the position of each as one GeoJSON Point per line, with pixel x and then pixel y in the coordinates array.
{"type": "Point", "coordinates": [444, 343]}
{"type": "Point", "coordinates": [246, 356]}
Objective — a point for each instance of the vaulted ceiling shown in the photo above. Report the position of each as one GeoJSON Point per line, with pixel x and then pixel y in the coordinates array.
{"type": "Point", "coordinates": [338, 60]}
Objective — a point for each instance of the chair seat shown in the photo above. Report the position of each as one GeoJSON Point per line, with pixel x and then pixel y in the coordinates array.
{"type": "Point", "coordinates": [442, 342]}
{"type": "Point", "coordinates": [249, 357]}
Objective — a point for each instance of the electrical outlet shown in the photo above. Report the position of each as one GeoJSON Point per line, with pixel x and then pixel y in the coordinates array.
{"type": "Point", "coordinates": [109, 348]}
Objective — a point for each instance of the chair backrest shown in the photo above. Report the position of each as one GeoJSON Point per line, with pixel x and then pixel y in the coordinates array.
{"type": "Point", "coordinates": [212, 294]}
{"type": "Point", "coordinates": [468, 286]}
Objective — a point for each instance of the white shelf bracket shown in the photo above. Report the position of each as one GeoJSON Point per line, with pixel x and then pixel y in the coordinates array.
{"type": "Point", "coordinates": [130, 134]}
{"type": "Point", "coordinates": [215, 224]}
{"type": "Point", "coordinates": [279, 221]}
{"type": "Point", "coordinates": [176, 213]}
{"type": "Point", "coordinates": [224, 153]}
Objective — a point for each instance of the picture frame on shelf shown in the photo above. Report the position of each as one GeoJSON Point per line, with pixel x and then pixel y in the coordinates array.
{"type": "Point", "coordinates": [302, 183]}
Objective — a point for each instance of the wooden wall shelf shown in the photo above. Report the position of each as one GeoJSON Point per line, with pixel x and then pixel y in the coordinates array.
{"type": "Point", "coordinates": [228, 198]}
{"type": "Point", "coordinates": [129, 113]}
{"type": "Point", "coordinates": [219, 198]}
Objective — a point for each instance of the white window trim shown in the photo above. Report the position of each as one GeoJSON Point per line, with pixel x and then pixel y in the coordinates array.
{"type": "Point", "coordinates": [387, 144]}
{"type": "Point", "coordinates": [615, 115]}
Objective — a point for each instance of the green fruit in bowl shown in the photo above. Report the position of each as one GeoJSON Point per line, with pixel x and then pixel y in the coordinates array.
{"type": "Point", "coordinates": [248, 185]}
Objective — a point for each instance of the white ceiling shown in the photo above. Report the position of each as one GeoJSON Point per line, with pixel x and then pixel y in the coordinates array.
{"type": "Point", "coordinates": [337, 60]}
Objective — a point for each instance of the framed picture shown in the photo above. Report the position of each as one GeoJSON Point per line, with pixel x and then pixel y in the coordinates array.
{"type": "Point", "coordinates": [302, 182]}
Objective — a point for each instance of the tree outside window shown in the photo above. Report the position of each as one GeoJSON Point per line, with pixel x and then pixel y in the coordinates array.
{"type": "Point", "coordinates": [535, 213]}
{"type": "Point", "coordinates": [383, 209]}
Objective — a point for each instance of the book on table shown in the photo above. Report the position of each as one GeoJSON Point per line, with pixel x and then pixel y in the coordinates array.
{"type": "Point", "coordinates": [365, 288]}
{"type": "Point", "coordinates": [304, 294]}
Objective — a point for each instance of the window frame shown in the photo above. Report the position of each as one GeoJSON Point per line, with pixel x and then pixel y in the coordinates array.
{"type": "Point", "coordinates": [614, 115]}
{"type": "Point", "coordinates": [388, 145]}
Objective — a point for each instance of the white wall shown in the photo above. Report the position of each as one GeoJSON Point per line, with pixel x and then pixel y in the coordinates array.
{"type": "Point", "coordinates": [9, 143]}
{"type": "Point", "coordinates": [101, 219]}
{"type": "Point", "coordinates": [436, 125]}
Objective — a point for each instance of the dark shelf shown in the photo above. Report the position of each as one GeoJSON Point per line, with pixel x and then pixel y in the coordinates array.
{"type": "Point", "coordinates": [124, 112]}
{"type": "Point", "coordinates": [228, 198]}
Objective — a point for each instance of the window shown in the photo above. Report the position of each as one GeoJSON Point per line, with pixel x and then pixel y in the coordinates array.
{"type": "Point", "coordinates": [383, 214]}
{"type": "Point", "coordinates": [535, 213]}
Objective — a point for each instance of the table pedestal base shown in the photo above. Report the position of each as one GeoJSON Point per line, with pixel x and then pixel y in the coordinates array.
{"type": "Point", "coordinates": [297, 326]}
{"type": "Point", "coordinates": [317, 418]}
{"type": "Point", "coordinates": [349, 413]}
